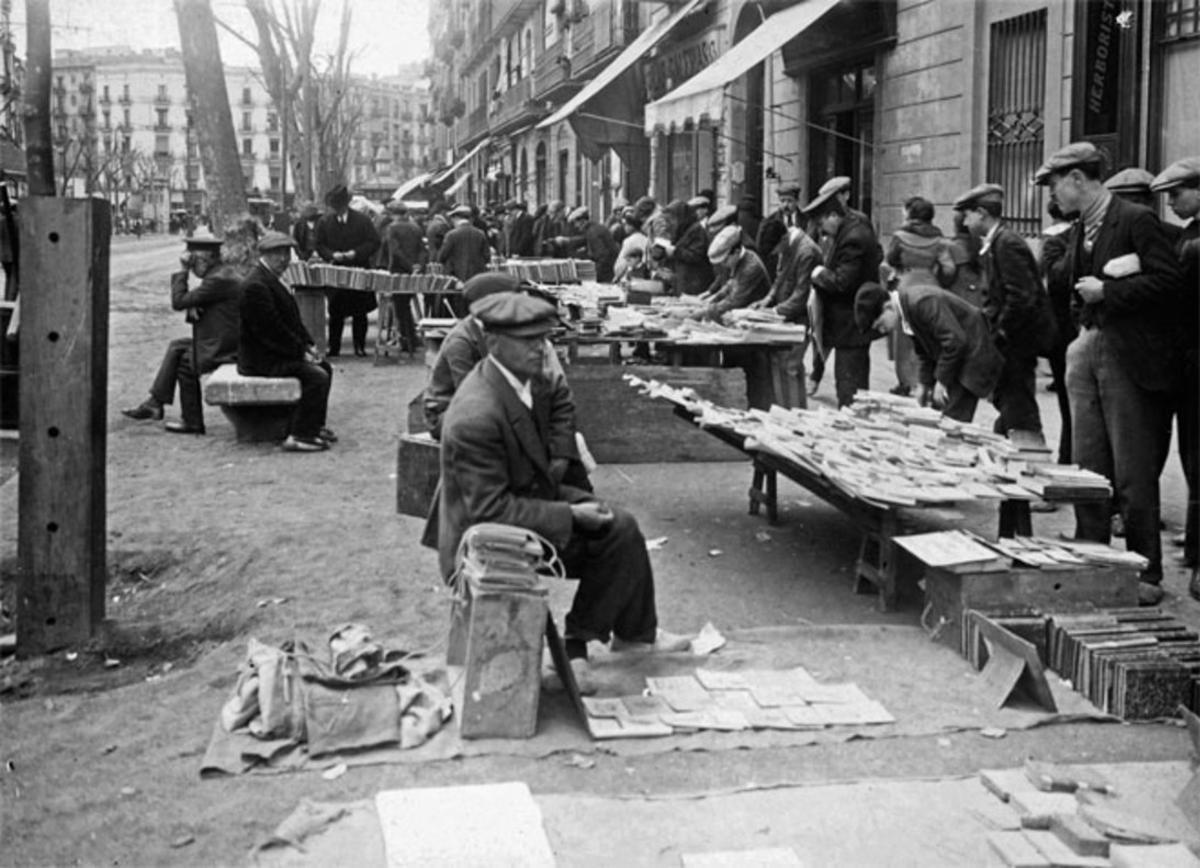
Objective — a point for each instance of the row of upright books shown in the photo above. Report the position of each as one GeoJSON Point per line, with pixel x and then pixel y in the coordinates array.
{"type": "Point", "coordinates": [366, 279]}
{"type": "Point", "coordinates": [551, 271]}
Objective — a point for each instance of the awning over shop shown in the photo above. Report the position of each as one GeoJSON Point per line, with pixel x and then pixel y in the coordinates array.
{"type": "Point", "coordinates": [458, 184]}
{"type": "Point", "coordinates": [702, 94]}
{"type": "Point", "coordinates": [461, 162]}
{"type": "Point", "coordinates": [412, 184]}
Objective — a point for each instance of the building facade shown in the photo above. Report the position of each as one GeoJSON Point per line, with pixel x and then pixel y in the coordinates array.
{"type": "Point", "coordinates": [395, 138]}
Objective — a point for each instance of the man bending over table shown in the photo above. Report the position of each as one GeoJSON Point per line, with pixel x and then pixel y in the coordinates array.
{"type": "Point", "coordinates": [496, 467]}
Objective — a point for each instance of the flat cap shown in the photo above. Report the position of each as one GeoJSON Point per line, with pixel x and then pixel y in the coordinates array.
{"type": "Point", "coordinates": [461, 211]}
{"type": "Point", "coordinates": [838, 184]}
{"type": "Point", "coordinates": [722, 216]}
{"type": "Point", "coordinates": [1132, 180]}
{"type": "Point", "coordinates": [513, 205]}
{"type": "Point", "coordinates": [489, 283]}
{"type": "Point", "coordinates": [790, 189]}
{"type": "Point", "coordinates": [397, 206]}
{"type": "Point", "coordinates": [580, 213]}
{"type": "Point", "coordinates": [978, 195]}
{"type": "Point", "coordinates": [273, 240]}
{"type": "Point", "coordinates": [868, 305]}
{"type": "Point", "coordinates": [1064, 159]}
{"type": "Point", "coordinates": [203, 240]}
{"type": "Point", "coordinates": [699, 202]}
{"type": "Point", "coordinates": [723, 243]}
{"type": "Point", "coordinates": [516, 314]}
{"type": "Point", "coordinates": [816, 206]}
{"type": "Point", "coordinates": [1181, 173]}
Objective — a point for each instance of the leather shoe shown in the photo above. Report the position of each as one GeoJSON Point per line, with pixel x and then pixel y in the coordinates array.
{"type": "Point", "coordinates": [303, 444]}
{"type": "Point", "coordinates": [664, 643]}
{"type": "Point", "coordinates": [1150, 594]}
{"type": "Point", "coordinates": [327, 435]}
{"type": "Point", "coordinates": [183, 428]}
{"type": "Point", "coordinates": [145, 411]}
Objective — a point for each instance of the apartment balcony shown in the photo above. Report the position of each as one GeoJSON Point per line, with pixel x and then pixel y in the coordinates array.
{"type": "Point", "coordinates": [517, 108]}
{"type": "Point", "coordinates": [509, 15]}
{"type": "Point", "coordinates": [162, 100]}
{"type": "Point", "coordinates": [162, 128]}
{"type": "Point", "coordinates": [105, 99]}
{"type": "Point", "coordinates": [552, 77]}
{"type": "Point", "coordinates": [125, 99]}
{"type": "Point", "coordinates": [477, 124]}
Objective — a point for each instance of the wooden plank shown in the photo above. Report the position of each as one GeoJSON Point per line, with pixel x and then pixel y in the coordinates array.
{"type": "Point", "coordinates": [64, 372]}
{"type": "Point", "coordinates": [623, 427]}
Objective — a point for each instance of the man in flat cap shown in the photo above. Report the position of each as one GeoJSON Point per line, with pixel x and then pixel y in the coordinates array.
{"type": "Point", "coordinates": [1015, 306]}
{"type": "Point", "coordinates": [1122, 368]}
{"type": "Point", "coordinates": [1132, 185]}
{"type": "Point", "coordinates": [958, 361]}
{"type": "Point", "coordinates": [789, 296]}
{"type": "Point", "coordinates": [212, 310]}
{"type": "Point", "coordinates": [518, 229]}
{"type": "Point", "coordinates": [701, 206]}
{"type": "Point", "coordinates": [497, 465]}
{"type": "Point", "coordinates": [1181, 182]}
{"type": "Point", "coordinates": [275, 343]}
{"type": "Point", "coordinates": [345, 237]}
{"type": "Point", "coordinates": [741, 281]}
{"type": "Point", "coordinates": [776, 224]}
{"type": "Point", "coordinates": [590, 240]}
{"type": "Point", "coordinates": [465, 251]}
{"type": "Point", "coordinates": [404, 253]}
{"type": "Point", "coordinates": [852, 258]}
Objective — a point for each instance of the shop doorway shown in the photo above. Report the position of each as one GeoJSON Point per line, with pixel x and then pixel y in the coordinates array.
{"type": "Point", "coordinates": [746, 116]}
{"type": "Point", "coordinates": [842, 142]}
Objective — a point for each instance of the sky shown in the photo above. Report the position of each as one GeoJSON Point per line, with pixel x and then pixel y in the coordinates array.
{"type": "Point", "coordinates": [384, 33]}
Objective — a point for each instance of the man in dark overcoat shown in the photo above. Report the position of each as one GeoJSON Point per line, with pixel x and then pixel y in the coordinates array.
{"type": "Point", "coordinates": [1122, 369]}
{"type": "Point", "coordinates": [404, 253]}
{"type": "Point", "coordinates": [590, 240]}
{"type": "Point", "coordinates": [275, 343]}
{"type": "Point", "coordinates": [345, 237]}
{"type": "Point", "coordinates": [774, 227]}
{"type": "Point", "coordinates": [212, 309]}
{"type": "Point", "coordinates": [518, 229]}
{"type": "Point", "coordinates": [465, 251]}
{"type": "Point", "coordinates": [496, 465]}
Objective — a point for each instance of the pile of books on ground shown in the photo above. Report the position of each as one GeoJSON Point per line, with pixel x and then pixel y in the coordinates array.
{"type": "Point", "coordinates": [733, 700]}
{"type": "Point", "coordinates": [366, 279]}
{"type": "Point", "coordinates": [887, 450]}
{"type": "Point", "coordinates": [1136, 663]}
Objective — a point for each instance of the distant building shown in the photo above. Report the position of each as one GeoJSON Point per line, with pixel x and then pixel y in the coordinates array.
{"type": "Point", "coordinates": [395, 139]}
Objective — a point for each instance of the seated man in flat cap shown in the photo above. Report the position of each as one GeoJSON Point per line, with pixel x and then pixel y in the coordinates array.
{"type": "Point", "coordinates": [590, 240]}
{"type": "Point", "coordinates": [212, 310]}
{"type": "Point", "coordinates": [1016, 307]}
{"type": "Point", "coordinates": [497, 466]}
{"type": "Point", "coordinates": [958, 362]}
{"type": "Point", "coordinates": [275, 343]}
{"type": "Point", "coordinates": [1122, 369]}
{"type": "Point", "coordinates": [1181, 182]}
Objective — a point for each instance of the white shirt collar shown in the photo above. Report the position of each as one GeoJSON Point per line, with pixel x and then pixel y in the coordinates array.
{"type": "Point", "coordinates": [987, 239]}
{"type": "Point", "coordinates": [523, 390]}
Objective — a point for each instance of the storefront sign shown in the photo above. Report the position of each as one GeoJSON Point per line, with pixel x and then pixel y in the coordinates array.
{"type": "Point", "coordinates": [1102, 77]}
{"type": "Point", "coordinates": [675, 64]}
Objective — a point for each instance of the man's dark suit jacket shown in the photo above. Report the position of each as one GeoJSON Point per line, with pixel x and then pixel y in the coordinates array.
{"type": "Point", "coordinates": [465, 252]}
{"type": "Point", "coordinates": [853, 259]}
{"type": "Point", "coordinates": [214, 311]}
{"type": "Point", "coordinates": [519, 235]}
{"type": "Point", "coordinates": [1015, 305]}
{"type": "Point", "coordinates": [272, 333]}
{"type": "Point", "coordinates": [496, 465]}
{"type": "Point", "coordinates": [596, 243]}
{"type": "Point", "coordinates": [953, 341]}
{"type": "Point", "coordinates": [1139, 313]}
{"type": "Point", "coordinates": [405, 247]}
{"type": "Point", "coordinates": [357, 234]}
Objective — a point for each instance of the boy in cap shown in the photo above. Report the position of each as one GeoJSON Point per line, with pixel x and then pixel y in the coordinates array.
{"type": "Point", "coordinates": [275, 343]}
{"type": "Point", "coordinates": [1016, 307]}
{"type": "Point", "coordinates": [776, 224]}
{"type": "Point", "coordinates": [1121, 369]}
{"type": "Point", "coordinates": [852, 258]}
{"type": "Point", "coordinates": [345, 237]}
{"type": "Point", "coordinates": [1181, 182]}
{"type": "Point", "coordinates": [212, 310]}
{"type": "Point", "coordinates": [498, 465]}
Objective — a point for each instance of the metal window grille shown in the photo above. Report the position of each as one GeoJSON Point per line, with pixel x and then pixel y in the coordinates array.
{"type": "Point", "coordinates": [1016, 125]}
{"type": "Point", "coordinates": [1181, 19]}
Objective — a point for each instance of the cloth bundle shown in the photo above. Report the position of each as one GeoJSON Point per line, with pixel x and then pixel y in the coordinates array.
{"type": "Point", "coordinates": [363, 696]}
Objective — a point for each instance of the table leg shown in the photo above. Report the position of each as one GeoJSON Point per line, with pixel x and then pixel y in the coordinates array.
{"type": "Point", "coordinates": [764, 492]}
{"type": "Point", "coordinates": [1015, 518]}
{"type": "Point", "coordinates": [876, 567]}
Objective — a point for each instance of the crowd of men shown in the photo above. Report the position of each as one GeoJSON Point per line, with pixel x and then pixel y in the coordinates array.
{"type": "Point", "coordinates": [1111, 299]}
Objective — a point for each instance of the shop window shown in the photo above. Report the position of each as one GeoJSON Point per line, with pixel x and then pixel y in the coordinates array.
{"type": "Point", "coordinates": [1016, 122]}
{"type": "Point", "coordinates": [1181, 19]}
{"type": "Point", "coordinates": [539, 172]}
{"type": "Point", "coordinates": [564, 168]}
{"type": "Point", "coordinates": [843, 129]}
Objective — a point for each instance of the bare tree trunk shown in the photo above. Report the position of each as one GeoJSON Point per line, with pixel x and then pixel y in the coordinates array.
{"type": "Point", "coordinates": [39, 145]}
{"type": "Point", "coordinates": [210, 112]}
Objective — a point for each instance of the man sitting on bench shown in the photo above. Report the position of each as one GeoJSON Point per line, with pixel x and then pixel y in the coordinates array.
{"type": "Point", "coordinates": [212, 310]}
{"type": "Point", "coordinates": [275, 343]}
{"type": "Point", "coordinates": [496, 467]}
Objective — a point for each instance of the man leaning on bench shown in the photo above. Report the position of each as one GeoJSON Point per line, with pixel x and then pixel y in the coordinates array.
{"type": "Point", "coordinates": [247, 314]}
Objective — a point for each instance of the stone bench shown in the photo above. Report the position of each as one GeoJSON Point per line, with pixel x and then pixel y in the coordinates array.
{"type": "Point", "coordinates": [259, 408]}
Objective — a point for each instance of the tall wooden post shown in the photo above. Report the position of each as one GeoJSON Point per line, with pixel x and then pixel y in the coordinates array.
{"type": "Point", "coordinates": [64, 374]}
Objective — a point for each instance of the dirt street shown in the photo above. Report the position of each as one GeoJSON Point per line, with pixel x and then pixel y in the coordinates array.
{"type": "Point", "coordinates": [211, 543]}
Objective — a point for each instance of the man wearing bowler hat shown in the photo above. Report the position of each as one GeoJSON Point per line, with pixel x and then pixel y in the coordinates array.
{"type": "Point", "coordinates": [498, 466]}
{"type": "Point", "coordinates": [1015, 306]}
{"type": "Point", "coordinates": [1122, 369]}
{"type": "Point", "coordinates": [275, 343]}
{"type": "Point", "coordinates": [1181, 182]}
{"type": "Point", "coordinates": [212, 310]}
{"type": "Point", "coordinates": [345, 237]}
